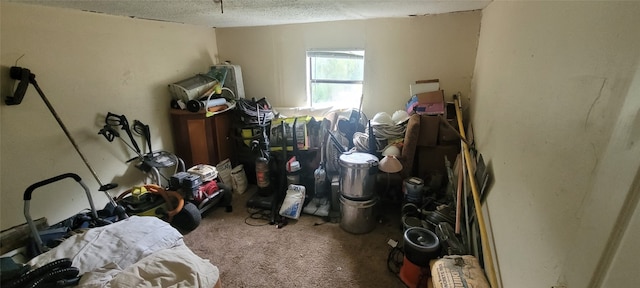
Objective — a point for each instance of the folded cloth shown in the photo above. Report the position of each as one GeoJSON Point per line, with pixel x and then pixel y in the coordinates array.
{"type": "Point", "coordinates": [122, 243]}
{"type": "Point", "coordinates": [172, 267]}
{"type": "Point", "coordinates": [135, 252]}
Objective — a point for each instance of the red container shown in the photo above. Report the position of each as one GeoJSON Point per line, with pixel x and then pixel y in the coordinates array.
{"type": "Point", "coordinates": [413, 275]}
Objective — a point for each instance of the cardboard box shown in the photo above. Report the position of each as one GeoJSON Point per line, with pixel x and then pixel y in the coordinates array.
{"type": "Point", "coordinates": [447, 136]}
{"type": "Point", "coordinates": [422, 86]}
{"type": "Point", "coordinates": [429, 103]}
{"type": "Point", "coordinates": [431, 159]}
{"type": "Point", "coordinates": [429, 126]}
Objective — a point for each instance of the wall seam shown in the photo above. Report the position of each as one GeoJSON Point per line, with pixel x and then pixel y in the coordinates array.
{"type": "Point", "coordinates": [615, 238]}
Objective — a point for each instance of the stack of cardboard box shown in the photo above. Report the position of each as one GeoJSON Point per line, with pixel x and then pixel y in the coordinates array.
{"type": "Point", "coordinates": [436, 141]}
{"type": "Point", "coordinates": [438, 136]}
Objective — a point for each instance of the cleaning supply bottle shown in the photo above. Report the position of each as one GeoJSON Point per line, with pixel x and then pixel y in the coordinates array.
{"type": "Point", "coordinates": [293, 171]}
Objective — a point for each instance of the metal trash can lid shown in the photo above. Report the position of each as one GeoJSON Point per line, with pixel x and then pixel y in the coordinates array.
{"type": "Point", "coordinates": [358, 159]}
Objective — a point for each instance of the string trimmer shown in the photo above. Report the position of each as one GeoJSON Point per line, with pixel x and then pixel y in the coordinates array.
{"type": "Point", "coordinates": [25, 77]}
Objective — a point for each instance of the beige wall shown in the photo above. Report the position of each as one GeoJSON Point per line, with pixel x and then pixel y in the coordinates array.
{"type": "Point", "coordinates": [397, 53]}
{"type": "Point", "coordinates": [551, 102]}
{"type": "Point", "coordinates": [87, 64]}
{"type": "Point", "coordinates": [555, 111]}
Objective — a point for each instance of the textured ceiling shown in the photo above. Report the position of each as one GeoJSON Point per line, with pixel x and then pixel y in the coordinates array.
{"type": "Point", "coordinates": [262, 12]}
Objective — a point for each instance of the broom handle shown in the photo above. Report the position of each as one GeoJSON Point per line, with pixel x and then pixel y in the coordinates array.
{"type": "Point", "coordinates": [493, 282]}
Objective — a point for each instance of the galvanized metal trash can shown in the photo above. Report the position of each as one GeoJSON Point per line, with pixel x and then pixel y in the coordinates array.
{"type": "Point", "coordinates": [358, 175]}
{"type": "Point", "coordinates": [358, 217]}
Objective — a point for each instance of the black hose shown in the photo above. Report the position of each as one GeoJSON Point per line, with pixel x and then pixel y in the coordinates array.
{"type": "Point", "coordinates": [37, 273]}
{"type": "Point", "coordinates": [53, 277]}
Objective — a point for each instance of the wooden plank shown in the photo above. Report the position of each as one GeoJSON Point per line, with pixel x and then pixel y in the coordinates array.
{"type": "Point", "coordinates": [17, 236]}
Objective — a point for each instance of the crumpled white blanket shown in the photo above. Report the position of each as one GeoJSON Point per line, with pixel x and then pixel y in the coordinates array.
{"type": "Point", "coordinates": [135, 252]}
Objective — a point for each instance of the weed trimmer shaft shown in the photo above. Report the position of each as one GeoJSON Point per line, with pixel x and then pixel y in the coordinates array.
{"type": "Point", "coordinates": [25, 76]}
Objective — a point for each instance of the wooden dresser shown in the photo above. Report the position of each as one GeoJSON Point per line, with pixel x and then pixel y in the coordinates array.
{"type": "Point", "coordinates": [199, 139]}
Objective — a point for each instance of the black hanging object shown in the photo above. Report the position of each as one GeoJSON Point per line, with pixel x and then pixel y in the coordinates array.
{"type": "Point", "coordinates": [24, 75]}
{"type": "Point", "coordinates": [373, 147]}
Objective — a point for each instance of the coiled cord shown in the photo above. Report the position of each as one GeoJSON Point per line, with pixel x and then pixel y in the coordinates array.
{"type": "Point", "coordinates": [256, 112]}
{"type": "Point", "coordinates": [383, 133]}
{"type": "Point", "coordinates": [258, 217]}
{"type": "Point", "coordinates": [386, 132]}
{"type": "Point", "coordinates": [361, 141]}
{"type": "Point", "coordinates": [394, 260]}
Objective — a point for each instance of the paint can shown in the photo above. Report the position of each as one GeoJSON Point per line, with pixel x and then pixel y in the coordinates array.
{"type": "Point", "coordinates": [413, 190]}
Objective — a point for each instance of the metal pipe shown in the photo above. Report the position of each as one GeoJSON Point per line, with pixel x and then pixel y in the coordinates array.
{"type": "Point", "coordinates": [23, 74]}
{"type": "Point", "coordinates": [103, 187]}
{"type": "Point", "coordinates": [66, 132]}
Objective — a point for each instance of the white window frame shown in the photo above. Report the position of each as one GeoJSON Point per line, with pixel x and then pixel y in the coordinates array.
{"type": "Point", "coordinates": [335, 53]}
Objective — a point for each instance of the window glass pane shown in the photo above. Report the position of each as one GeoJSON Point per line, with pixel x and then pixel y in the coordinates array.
{"type": "Point", "coordinates": [335, 78]}
{"type": "Point", "coordinates": [337, 95]}
{"type": "Point", "coordinates": [337, 69]}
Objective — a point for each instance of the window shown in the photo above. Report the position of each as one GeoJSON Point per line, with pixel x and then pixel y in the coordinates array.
{"type": "Point", "coordinates": [334, 78]}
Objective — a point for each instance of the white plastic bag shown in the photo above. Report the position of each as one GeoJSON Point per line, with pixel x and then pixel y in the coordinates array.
{"type": "Point", "coordinates": [224, 172]}
{"type": "Point", "coordinates": [239, 179]}
{"type": "Point", "coordinates": [292, 204]}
